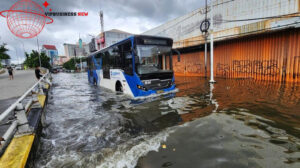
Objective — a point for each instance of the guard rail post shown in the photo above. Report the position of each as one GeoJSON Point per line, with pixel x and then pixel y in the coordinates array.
{"type": "Point", "coordinates": [23, 126]}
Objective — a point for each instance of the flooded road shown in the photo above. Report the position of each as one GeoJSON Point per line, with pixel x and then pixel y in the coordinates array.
{"type": "Point", "coordinates": [233, 123]}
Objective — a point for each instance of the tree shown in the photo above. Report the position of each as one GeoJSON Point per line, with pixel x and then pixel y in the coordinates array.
{"type": "Point", "coordinates": [32, 60]}
{"type": "Point", "coordinates": [70, 65]}
{"type": "Point", "coordinates": [3, 54]}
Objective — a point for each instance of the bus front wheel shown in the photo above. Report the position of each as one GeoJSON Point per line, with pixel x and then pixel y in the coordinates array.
{"type": "Point", "coordinates": [119, 87]}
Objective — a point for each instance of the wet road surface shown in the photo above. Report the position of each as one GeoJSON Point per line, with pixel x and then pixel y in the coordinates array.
{"type": "Point", "coordinates": [233, 123]}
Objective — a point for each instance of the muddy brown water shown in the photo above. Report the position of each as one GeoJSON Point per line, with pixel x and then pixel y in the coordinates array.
{"type": "Point", "coordinates": [233, 123]}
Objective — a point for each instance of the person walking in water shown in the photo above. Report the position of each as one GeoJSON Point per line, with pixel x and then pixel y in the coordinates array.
{"type": "Point", "coordinates": [10, 72]}
{"type": "Point", "coordinates": [38, 73]}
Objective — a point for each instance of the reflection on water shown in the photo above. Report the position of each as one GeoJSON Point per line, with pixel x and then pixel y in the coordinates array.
{"type": "Point", "coordinates": [241, 123]}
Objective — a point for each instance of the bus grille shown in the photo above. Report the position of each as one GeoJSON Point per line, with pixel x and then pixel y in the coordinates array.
{"type": "Point", "coordinates": [157, 84]}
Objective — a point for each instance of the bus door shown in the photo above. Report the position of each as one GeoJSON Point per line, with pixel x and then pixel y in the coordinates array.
{"type": "Point", "coordinates": [127, 58]}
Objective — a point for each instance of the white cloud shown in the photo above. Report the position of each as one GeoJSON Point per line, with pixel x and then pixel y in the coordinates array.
{"type": "Point", "coordinates": [134, 16]}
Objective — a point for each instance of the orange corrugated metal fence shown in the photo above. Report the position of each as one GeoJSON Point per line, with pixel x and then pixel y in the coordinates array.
{"type": "Point", "coordinates": [271, 56]}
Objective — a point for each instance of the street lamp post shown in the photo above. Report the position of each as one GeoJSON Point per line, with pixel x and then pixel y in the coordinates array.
{"type": "Point", "coordinates": [205, 52]}
{"type": "Point", "coordinates": [17, 56]}
{"type": "Point", "coordinates": [37, 41]}
{"type": "Point", "coordinates": [212, 45]}
{"type": "Point", "coordinates": [23, 48]}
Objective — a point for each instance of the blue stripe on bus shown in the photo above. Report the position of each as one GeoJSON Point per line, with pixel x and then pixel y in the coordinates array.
{"type": "Point", "coordinates": [134, 80]}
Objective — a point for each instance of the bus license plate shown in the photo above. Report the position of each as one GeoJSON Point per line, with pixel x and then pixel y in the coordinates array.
{"type": "Point", "coordinates": [159, 91]}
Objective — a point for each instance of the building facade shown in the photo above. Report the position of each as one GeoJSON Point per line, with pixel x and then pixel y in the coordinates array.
{"type": "Point", "coordinates": [108, 38]}
{"type": "Point", "coordinates": [61, 59]}
{"type": "Point", "coordinates": [256, 39]}
{"type": "Point", "coordinates": [231, 18]}
{"type": "Point", "coordinates": [51, 52]}
{"type": "Point", "coordinates": [76, 50]}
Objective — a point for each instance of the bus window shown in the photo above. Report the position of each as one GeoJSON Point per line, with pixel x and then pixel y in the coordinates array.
{"type": "Point", "coordinates": [98, 59]}
{"type": "Point", "coordinates": [127, 58]}
{"type": "Point", "coordinates": [88, 62]}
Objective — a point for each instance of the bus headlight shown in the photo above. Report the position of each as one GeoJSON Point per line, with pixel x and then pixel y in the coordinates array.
{"type": "Point", "coordinates": [141, 87]}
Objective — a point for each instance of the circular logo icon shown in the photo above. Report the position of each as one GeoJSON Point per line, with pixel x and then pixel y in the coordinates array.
{"type": "Point", "coordinates": [26, 19]}
{"type": "Point", "coordinates": [204, 26]}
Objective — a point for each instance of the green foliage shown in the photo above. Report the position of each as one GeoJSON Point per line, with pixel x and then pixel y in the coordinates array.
{"type": "Point", "coordinates": [3, 50]}
{"type": "Point", "coordinates": [32, 60]}
{"type": "Point", "coordinates": [70, 65]}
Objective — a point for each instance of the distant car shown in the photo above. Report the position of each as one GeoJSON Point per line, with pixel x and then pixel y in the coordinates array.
{"type": "Point", "coordinates": [54, 70]}
{"type": "Point", "coordinates": [19, 68]}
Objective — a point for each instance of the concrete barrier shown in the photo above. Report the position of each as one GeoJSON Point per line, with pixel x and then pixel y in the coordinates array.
{"type": "Point", "coordinates": [2, 71]}
{"type": "Point", "coordinates": [18, 149]}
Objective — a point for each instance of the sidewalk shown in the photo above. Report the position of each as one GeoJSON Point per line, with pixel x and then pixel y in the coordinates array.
{"type": "Point", "coordinates": [23, 80]}
{"type": "Point", "coordinates": [2, 71]}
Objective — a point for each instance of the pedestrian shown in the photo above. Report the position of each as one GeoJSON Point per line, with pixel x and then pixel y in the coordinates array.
{"type": "Point", "coordinates": [38, 72]}
{"type": "Point", "coordinates": [10, 73]}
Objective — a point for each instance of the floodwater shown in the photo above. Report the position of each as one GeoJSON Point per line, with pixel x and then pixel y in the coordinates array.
{"type": "Point", "coordinates": [233, 123]}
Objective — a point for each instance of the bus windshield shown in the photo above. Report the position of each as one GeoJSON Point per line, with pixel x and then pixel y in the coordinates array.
{"type": "Point", "coordinates": [150, 58]}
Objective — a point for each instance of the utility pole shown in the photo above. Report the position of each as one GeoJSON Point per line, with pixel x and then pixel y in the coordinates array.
{"type": "Point", "coordinates": [101, 21]}
{"type": "Point", "coordinates": [102, 28]}
{"type": "Point", "coordinates": [205, 53]}
{"type": "Point", "coordinates": [38, 45]}
{"type": "Point", "coordinates": [23, 49]}
{"type": "Point", "coordinates": [212, 45]}
{"type": "Point", "coordinates": [17, 56]}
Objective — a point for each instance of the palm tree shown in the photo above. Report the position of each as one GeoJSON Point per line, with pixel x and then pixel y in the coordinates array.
{"type": "Point", "coordinates": [3, 54]}
{"type": "Point", "coordinates": [3, 51]}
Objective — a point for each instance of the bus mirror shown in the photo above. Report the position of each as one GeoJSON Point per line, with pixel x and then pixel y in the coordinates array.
{"type": "Point", "coordinates": [178, 55]}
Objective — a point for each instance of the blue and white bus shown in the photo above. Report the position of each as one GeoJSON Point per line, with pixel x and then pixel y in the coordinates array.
{"type": "Point", "coordinates": [137, 66]}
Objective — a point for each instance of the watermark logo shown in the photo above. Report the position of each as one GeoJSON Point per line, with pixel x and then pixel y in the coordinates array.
{"type": "Point", "coordinates": [26, 19]}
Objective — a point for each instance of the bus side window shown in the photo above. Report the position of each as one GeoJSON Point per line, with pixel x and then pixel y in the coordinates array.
{"type": "Point", "coordinates": [92, 63]}
{"type": "Point", "coordinates": [88, 62]}
{"type": "Point", "coordinates": [127, 58]}
{"type": "Point", "coordinates": [98, 59]}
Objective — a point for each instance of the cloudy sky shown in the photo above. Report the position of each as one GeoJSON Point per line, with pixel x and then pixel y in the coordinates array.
{"type": "Point", "coordinates": [134, 16]}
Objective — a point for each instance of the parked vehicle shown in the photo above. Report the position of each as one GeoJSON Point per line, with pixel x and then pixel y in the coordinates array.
{"type": "Point", "coordinates": [19, 67]}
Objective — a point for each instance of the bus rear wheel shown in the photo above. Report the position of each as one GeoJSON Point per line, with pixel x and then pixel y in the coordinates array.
{"type": "Point", "coordinates": [119, 87]}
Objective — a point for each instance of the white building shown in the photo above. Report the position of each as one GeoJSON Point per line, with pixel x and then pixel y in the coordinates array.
{"type": "Point", "coordinates": [79, 49]}
{"type": "Point", "coordinates": [51, 52]}
{"type": "Point", "coordinates": [108, 38]}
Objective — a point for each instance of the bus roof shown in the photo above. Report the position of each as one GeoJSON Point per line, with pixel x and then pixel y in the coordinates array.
{"type": "Point", "coordinates": [129, 38]}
